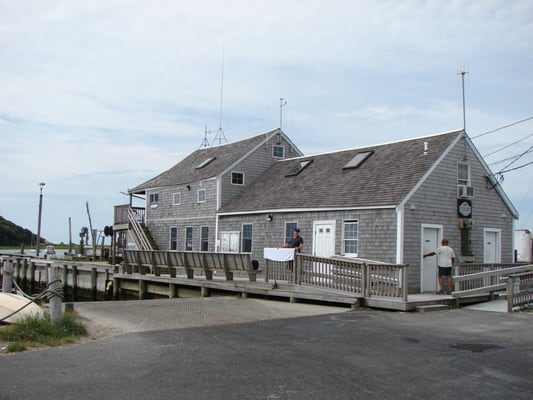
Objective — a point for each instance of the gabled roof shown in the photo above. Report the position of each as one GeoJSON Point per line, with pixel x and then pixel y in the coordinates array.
{"type": "Point", "coordinates": [206, 163]}
{"type": "Point", "coordinates": [374, 176]}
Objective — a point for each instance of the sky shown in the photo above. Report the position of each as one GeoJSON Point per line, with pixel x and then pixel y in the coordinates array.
{"type": "Point", "coordinates": [97, 97]}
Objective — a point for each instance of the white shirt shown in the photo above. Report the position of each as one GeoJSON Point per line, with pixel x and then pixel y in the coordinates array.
{"type": "Point", "coordinates": [444, 256]}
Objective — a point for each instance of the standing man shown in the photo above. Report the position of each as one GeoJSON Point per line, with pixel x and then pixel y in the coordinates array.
{"type": "Point", "coordinates": [445, 260]}
{"type": "Point", "coordinates": [296, 243]}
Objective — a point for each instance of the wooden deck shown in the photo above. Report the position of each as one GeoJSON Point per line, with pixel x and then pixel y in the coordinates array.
{"type": "Point", "coordinates": [93, 281]}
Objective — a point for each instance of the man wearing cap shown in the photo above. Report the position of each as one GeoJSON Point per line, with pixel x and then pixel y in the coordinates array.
{"type": "Point", "coordinates": [296, 243]}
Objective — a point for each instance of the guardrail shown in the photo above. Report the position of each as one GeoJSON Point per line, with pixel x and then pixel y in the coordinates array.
{"type": "Point", "coordinates": [519, 290]}
{"type": "Point", "coordinates": [171, 262]}
{"type": "Point", "coordinates": [361, 277]}
{"type": "Point", "coordinates": [483, 278]}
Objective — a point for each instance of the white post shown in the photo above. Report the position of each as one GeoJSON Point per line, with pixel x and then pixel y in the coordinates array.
{"type": "Point", "coordinates": [56, 312]}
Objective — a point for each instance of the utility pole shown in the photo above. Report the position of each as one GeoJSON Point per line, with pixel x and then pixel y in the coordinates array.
{"type": "Point", "coordinates": [41, 184]}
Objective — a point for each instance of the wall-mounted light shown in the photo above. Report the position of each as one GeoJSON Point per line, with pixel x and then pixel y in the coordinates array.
{"type": "Point", "coordinates": [270, 217]}
{"type": "Point", "coordinates": [412, 207]}
{"type": "Point", "coordinates": [188, 187]}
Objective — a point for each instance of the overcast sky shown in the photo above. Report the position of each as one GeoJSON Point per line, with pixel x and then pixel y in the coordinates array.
{"type": "Point", "coordinates": [98, 96]}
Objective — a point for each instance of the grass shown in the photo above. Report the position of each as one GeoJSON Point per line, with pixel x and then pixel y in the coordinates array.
{"type": "Point", "coordinates": [34, 332]}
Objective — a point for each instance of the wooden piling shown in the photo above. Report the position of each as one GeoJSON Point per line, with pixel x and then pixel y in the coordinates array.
{"type": "Point", "coordinates": [93, 284]}
{"type": "Point", "coordinates": [74, 283]}
{"type": "Point", "coordinates": [7, 277]}
{"type": "Point", "coordinates": [56, 312]}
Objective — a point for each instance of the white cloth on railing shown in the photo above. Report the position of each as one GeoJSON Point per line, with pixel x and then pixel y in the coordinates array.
{"type": "Point", "coordinates": [277, 254]}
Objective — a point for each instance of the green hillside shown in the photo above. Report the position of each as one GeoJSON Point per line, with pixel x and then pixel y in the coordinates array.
{"type": "Point", "coordinates": [14, 235]}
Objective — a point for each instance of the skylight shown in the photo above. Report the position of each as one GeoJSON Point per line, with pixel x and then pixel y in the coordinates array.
{"type": "Point", "coordinates": [205, 162]}
{"type": "Point", "coordinates": [358, 159]}
{"type": "Point", "coordinates": [299, 167]}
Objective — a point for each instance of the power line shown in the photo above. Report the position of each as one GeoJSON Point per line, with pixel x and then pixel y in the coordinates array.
{"type": "Point", "coordinates": [503, 127]}
{"type": "Point", "coordinates": [515, 160]}
{"type": "Point", "coordinates": [509, 145]}
{"type": "Point", "coordinates": [507, 159]}
{"type": "Point", "coordinates": [515, 168]}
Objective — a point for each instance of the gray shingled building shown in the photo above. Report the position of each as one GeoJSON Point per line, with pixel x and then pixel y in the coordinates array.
{"type": "Point", "coordinates": [390, 202]}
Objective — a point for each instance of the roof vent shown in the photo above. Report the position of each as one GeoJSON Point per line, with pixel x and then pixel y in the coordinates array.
{"type": "Point", "coordinates": [358, 159]}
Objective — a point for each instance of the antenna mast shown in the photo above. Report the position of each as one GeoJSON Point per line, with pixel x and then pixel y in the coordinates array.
{"type": "Point", "coordinates": [463, 73]}
{"type": "Point", "coordinates": [282, 102]}
{"type": "Point", "coordinates": [220, 133]}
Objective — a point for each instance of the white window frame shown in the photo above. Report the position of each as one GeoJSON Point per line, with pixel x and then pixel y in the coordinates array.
{"type": "Point", "coordinates": [204, 191]}
{"type": "Point", "coordinates": [237, 172]}
{"type": "Point", "coordinates": [460, 180]}
{"type": "Point", "coordinates": [178, 194]}
{"type": "Point", "coordinates": [344, 240]}
{"type": "Point", "coordinates": [278, 146]}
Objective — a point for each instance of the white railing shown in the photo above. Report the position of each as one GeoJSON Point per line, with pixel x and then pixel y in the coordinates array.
{"type": "Point", "coordinates": [484, 278]}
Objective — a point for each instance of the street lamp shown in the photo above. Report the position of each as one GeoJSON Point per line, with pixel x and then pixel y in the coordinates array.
{"type": "Point", "coordinates": [41, 184]}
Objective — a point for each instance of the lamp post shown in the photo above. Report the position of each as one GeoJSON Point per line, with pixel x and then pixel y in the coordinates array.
{"type": "Point", "coordinates": [41, 184]}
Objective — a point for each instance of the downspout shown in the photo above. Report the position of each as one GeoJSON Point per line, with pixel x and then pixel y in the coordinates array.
{"type": "Point", "coordinates": [217, 243]}
{"type": "Point", "coordinates": [399, 233]}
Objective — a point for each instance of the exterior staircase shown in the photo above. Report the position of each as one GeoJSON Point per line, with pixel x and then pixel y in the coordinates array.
{"type": "Point", "coordinates": [140, 234]}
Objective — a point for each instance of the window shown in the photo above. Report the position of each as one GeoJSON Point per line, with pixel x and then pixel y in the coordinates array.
{"type": "Point", "coordinates": [289, 229]}
{"type": "Point", "coordinates": [278, 151]}
{"type": "Point", "coordinates": [350, 239]}
{"type": "Point", "coordinates": [358, 159]}
{"type": "Point", "coordinates": [154, 198]}
{"type": "Point", "coordinates": [247, 238]}
{"type": "Point", "coordinates": [237, 178]}
{"type": "Point", "coordinates": [176, 197]}
{"type": "Point", "coordinates": [173, 238]}
{"type": "Point", "coordinates": [202, 195]}
{"type": "Point", "coordinates": [204, 240]}
{"type": "Point", "coordinates": [188, 238]}
{"type": "Point", "coordinates": [463, 173]}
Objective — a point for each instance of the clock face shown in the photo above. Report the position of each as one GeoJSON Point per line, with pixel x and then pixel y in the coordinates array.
{"type": "Point", "coordinates": [464, 208]}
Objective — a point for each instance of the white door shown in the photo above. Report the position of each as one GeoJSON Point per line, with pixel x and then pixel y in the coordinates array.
{"type": "Point", "coordinates": [428, 267]}
{"type": "Point", "coordinates": [491, 247]}
{"type": "Point", "coordinates": [323, 238]}
{"type": "Point", "coordinates": [229, 242]}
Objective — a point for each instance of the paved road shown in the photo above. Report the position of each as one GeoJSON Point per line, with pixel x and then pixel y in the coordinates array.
{"type": "Point", "coordinates": [456, 354]}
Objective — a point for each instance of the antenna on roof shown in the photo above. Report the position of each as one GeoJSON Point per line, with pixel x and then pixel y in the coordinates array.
{"type": "Point", "coordinates": [220, 133]}
{"type": "Point", "coordinates": [463, 73]}
{"type": "Point", "coordinates": [205, 142]}
{"type": "Point", "coordinates": [282, 102]}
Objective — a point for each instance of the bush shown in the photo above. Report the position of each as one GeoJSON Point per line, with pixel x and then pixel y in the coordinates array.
{"type": "Point", "coordinates": [34, 332]}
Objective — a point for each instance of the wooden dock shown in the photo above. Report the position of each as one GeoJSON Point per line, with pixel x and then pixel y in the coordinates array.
{"type": "Point", "coordinates": [101, 281]}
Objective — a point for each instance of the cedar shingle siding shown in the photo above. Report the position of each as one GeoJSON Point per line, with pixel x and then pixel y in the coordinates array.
{"type": "Point", "coordinates": [396, 190]}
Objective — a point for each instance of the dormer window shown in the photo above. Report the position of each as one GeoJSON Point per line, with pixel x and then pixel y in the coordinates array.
{"type": "Point", "coordinates": [278, 151]}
